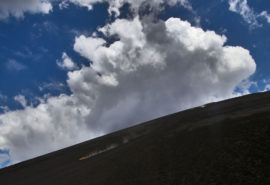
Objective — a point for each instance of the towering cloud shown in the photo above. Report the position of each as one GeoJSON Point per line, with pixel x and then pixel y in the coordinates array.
{"type": "Point", "coordinates": [153, 68]}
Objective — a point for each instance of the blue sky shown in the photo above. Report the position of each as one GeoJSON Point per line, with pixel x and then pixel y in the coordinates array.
{"type": "Point", "coordinates": [31, 45]}
{"type": "Point", "coordinates": [68, 71]}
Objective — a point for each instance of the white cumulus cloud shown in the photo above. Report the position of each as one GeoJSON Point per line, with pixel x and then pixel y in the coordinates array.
{"type": "Point", "coordinates": [17, 8]}
{"type": "Point", "coordinates": [55, 123]}
{"type": "Point", "coordinates": [66, 62]}
{"type": "Point", "coordinates": [153, 69]}
{"type": "Point", "coordinates": [115, 5]}
{"type": "Point", "coordinates": [164, 67]}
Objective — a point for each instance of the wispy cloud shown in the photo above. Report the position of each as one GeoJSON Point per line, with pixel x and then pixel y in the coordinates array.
{"type": "Point", "coordinates": [64, 4]}
{"type": "Point", "coordinates": [265, 15]}
{"type": "Point", "coordinates": [52, 86]}
{"type": "Point", "coordinates": [21, 99]}
{"type": "Point", "coordinates": [249, 15]}
{"type": "Point", "coordinates": [14, 65]}
{"type": "Point", "coordinates": [3, 97]}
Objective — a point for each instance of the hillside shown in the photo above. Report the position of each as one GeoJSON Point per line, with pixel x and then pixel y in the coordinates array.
{"type": "Point", "coordinates": [223, 143]}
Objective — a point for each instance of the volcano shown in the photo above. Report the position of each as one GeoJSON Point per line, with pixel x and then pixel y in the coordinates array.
{"type": "Point", "coordinates": [222, 143]}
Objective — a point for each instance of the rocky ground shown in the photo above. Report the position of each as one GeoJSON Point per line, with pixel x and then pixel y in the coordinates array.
{"type": "Point", "coordinates": [224, 143]}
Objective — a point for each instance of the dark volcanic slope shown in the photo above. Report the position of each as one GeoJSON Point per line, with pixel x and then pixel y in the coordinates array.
{"type": "Point", "coordinates": [222, 143]}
